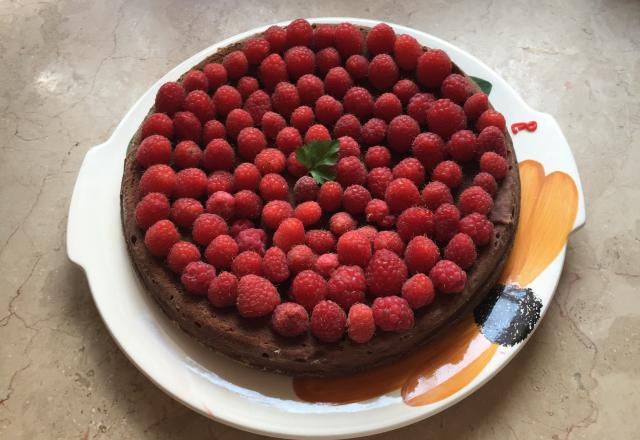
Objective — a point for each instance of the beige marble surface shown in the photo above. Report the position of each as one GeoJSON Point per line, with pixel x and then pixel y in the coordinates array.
{"type": "Point", "coordinates": [71, 69]}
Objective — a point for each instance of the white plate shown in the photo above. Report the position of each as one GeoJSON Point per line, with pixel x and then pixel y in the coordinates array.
{"type": "Point", "coordinates": [212, 385]}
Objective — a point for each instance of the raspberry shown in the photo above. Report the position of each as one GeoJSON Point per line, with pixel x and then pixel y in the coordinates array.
{"type": "Point", "coordinates": [285, 99]}
{"type": "Point", "coordinates": [401, 132]}
{"type": "Point", "coordinates": [449, 173]}
{"type": "Point", "coordinates": [256, 296]}
{"type": "Point", "coordinates": [272, 123]}
{"type": "Point", "coordinates": [170, 98]}
{"type": "Point", "coordinates": [435, 194]}
{"type": "Point", "coordinates": [377, 157]}
{"type": "Point", "coordinates": [492, 139]}
{"type": "Point", "coordinates": [347, 286]}
{"type": "Point", "coordinates": [348, 39]}
{"type": "Point", "coordinates": [354, 248]}
{"type": "Point", "coordinates": [323, 36]}
{"type": "Point", "coordinates": [207, 227]}
{"type": "Point", "coordinates": [185, 211]}
{"type": "Point", "coordinates": [216, 75]}
{"type": "Point", "coordinates": [406, 51]}
{"type": "Point", "coordinates": [317, 132]}
{"type": "Point", "coordinates": [239, 226]}
{"type": "Point", "coordinates": [355, 199]}
{"type": "Point", "coordinates": [374, 131]}
{"type": "Point", "coordinates": [251, 239]}
{"type": "Point", "coordinates": [246, 263]}
{"type": "Point", "coordinates": [197, 276]}
{"type": "Point", "coordinates": [456, 88]}
{"type": "Point", "coordinates": [274, 265]}
{"type": "Point", "coordinates": [256, 49]}
{"type": "Point", "coordinates": [359, 102]}
{"type": "Point", "coordinates": [337, 81]}
{"type": "Point", "coordinates": [157, 123]}
{"type": "Point", "coordinates": [310, 88]}
{"type": "Point", "coordinates": [308, 213]}
{"type": "Point", "coordinates": [288, 140]}
{"type": "Point", "coordinates": [360, 323]}
{"type": "Point", "coordinates": [445, 117]}
{"type": "Point", "coordinates": [447, 218]}
{"type": "Point", "coordinates": [273, 187]}
{"type": "Point", "coordinates": [418, 291]}
{"type": "Point", "coordinates": [357, 66]}
{"type": "Point", "coordinates": [433, 67]}
{"type": "Point", "coordinates": [308, 289]}
{"type": "Point", "coordinates": [368, 231]}
{"type": "Point", "coordinates": [223, 290]}
{"type": "Point", "coordinates": [295, 168]}
{"type": "Point", "coordinates": [212, 130]}
{"type": "Point", "coordinates": [251, 141]}
{"type": "Point", "coordinates": [158, 178]}
{"type": "Point", "coordinates": [421, 254]}
{"type": "Point", "coordinates": [160, 237]}
{"type": "Point", "coordinates": [401, 194]}
{"type": "Point", "coordinates": [328, 321]}
{"type": "Point", "coordinates": [300, 257]}
{"type": "Point", "coordinates": [277, 38]}
{"type": "Point", "coordinates": [246, 86]}
{"type": "Point", "coordinates": [461, 250]}
{"type": "Point", "coordinates": [448, 277]}
{"type": "Point", "coordinates": [415, 221]}
{"type": "Point", "coordinates": [226, 98]}
{"type": "Point", "coordinates": [270, 160]}
{"type": "Point", "coordinates": [328, 109]}
{"type": "Point", "coordinates": [187, 154]}
{"type": "Point", "coordinates": [272, 70]}
{"type": "Point", "coordinates": [494, 164]}
{"type": "Point", "coordinates": [330, 196]}
{"type": "Point", "coordinates": [389, 240]}
{"type": "Point", "coordinates": [348, 147]}
{"type": "Point", "coordinates": [351, 171]}
{"type": "Point", "coordinates": [300, 60]}
{"type": "Point", "coordinates": [463, 145]}
{"type": "Point", "coordinates": [326, 264]}
{"type": "Point", "coordinates": [411, 169]}
{"type": "Point", "coordinates": [220, 181]}
{"type": "Point", "coordinates": [320, 241]}
{"type": "Point", "coordinates": [327, 59]}
{"type": "Point", "coordinates": [486, 181]}
{"type": "Point", "coordinates": [305, 189]}
{"type": "Point", "coordinates": [275, 212]}
{"type": "Point", "coordinates": [392, 314]}
{"type": "Point", "coordinates": [236, 64]}
{"type": "Point", "coordinates": [478, 227]}
{"type": "Point", "coordinates": [195, 80]}
{"type": "Point", "coordinates": [387, 107]}
{"type": "Point", "coordinates": [246, 176]}
{"type": "Point", "coordinates": [418, 106]}
{"type": "Point", "coordinates": [218, 155]}
{"type": "Point", "coordinates": [221, 203]}
{"type": "Point", "coordinates": [475, 199]}
{"type": "Point", "coordinates": [152, 207]}
{"type": "Point", "coordinates": [290, 232]}
{"type": "Point", "coordinates": [153, 150]}
{"type": "Point", "coordinates": [302, 118]}
{"type": "Point", "coordinates": [347, 125]}
{"type": "Point", "coordinates": [429, 149]}
{"type": "Point", "coordinates": [405, 89]}
{"type": "Point", "coordinates": [475, 105]}
{"type": "Point", "coordinates": [290, 320]}
{"type": "Point", "coordinates": [299, 33]}
{"type": "Point", "coordinates": [201, 105]}
{"type": "Point", "coordinates": [248, 204]}
{"type": "Point", "coordinates": [376, 211]}
{"type": "Point", "coordinates": [383, 72]}
{"type": "Point", "coordinates": [381, 39]}
{"type": "Point", "coordinates": [257, 104]}
{"type": "Point", "coordinates": [190, 182]}
{"type": "Point", "coordinates": [490, 118]}
{"type": "Point", "coordinates": [221, 251]}
{"type": "Point", "coordinates": [340, 223]}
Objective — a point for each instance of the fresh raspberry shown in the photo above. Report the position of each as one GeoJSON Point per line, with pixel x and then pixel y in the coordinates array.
{"type": "Point", "coordinates": [406, 51]}
{"type": "Point", "coordinates": [389, 240]}
{"type": "Point", "coordinates": [240, 225]}
{"type": "Point", "coordinates": [207, 227]}
{"type": "Point", "coordinates": [478, 227]}
{"type": "Point", "coordinates": [256, 49]}
{"type": "Point", "coordinates": [272, 70]}
{"type": "Point", "coordinates": [328, 321]}
{"type": "Point", "coordinates": [270, 160]}
{"type": "Point", "coordinates": [274, 265]}
{"type": "Point", "coordinates": [170, 98]}
{"type": "Point", "coordinates": [447, 219]}
{"type": "Point", "coordinates": [302, 118]}
{"type": "Point", "coordinates": [246, 263]}
{"type": "Point", "coordinates": [381, 39]}
{"type": "Point", "coordinates": [435, 194]}
{"type": "Point", "coordinates": [374, 131]}
{"type": "Point", "coordinates": [299, 33]}
{"type": "Point", "coordinates": [348, 147]}
{"type": "Point", "coordinates": [355, 199]}
{"type": "Point", "coordinates": [295, 168]}
{"type": "Point", "coordinates": [275, 212]}
{"type": "Point", "coordinates": [360, 323]}
{"type": "Point", "coordinates": [248, 204]}
{"type": "Point", "coordinates": [256, 296]}
{"type": "Point", "coordinates": [246, 176]}
{"type": "Point", "coordinates": [347, 286]}
{"type": "Point", "coordinates": [310, 88]}
{"type": "Point", "coordinates": [221, 251]}
{"type": "Point", "coordinates": [401, 132]}
{"type": "Point", "coordinates": [405, 89]}
{"type": "Point", "coordinates": [433, 67]}
{"type": "Point", "coordinates": [290, 232]}
{"type": "Point", "coordinates": [461, 250]}
{"type": "Point", "coordinates": [246, 86]}
{"type": "Point", "coordinates": [415, 221]}
{"type": "Point", "coordinates": [277, 38]}
{"type": "Point", "coordinates": [218, 155]}
{"type": "Point", "coordinates": [272, 123]}
{"type": "Point", "coordinates": [290, 320]}
{"type": "Point", "coordinates": [377, 157]}
{"type": "Point", "coordinates": [187, 154]}
{"type": "Point", "coordinates": [236, 64]}
{"type": "Point", "coordinates": [418, 291]}
{"type": "Point", "coordinates": [326, 264]}
{"type": "Point", "coordinates": [347, 125]}
{"type": "Point", "coordinates": [337, 81]}
{"type": "Point", "coordinates": [197, 277]}
{"type": "Point", "coordinates": [320, 241]}
{"type": "Point", "coordinates": [401, 194]}
{"type": "Point", "coordinates": [494, 164]}
{"type": "Point", "coordinates": [308, 213]}
{"type": "Point", "coordinates": [330, 196]}
{"type": "Point", "coordinates": [421, 254]}
{"type": "Point", "coordinates": [223, 290]}
{"type": "Point", "coordinates": [359, 102]}
{"type": "Point", "coordinates": [160, 237]}
{"type": "Point", "coordinates": [383, 72]}
{"type": "Point", "coordinates": [308, 289]}
{"type": "Point", "coordinates": [354, 248]}
{"type": "Point", "coordinates": [328, 109]}
{"type": "Point", "coordinates": [201, 105]}
{"type": "Point", "coordinates": [486, 181]}
{"type": "Point", "coordinates": [211, 130]}
{"type": "Point", "coordinates": [157, 123]}
{"type": "Point", "coordinates": [300, 257]}
{"type": "Point", "coordinates": [323, 36]}
{"type": "Point", "coordinates": [152, 207]}
{"type": "Point", "coordinates": [305, 189]}
{"type": "Point", "coordinates": [457, 88]}
{"type": "Point", "coordinates": [475, 199]}
{"type": "Point", "coordinates": [221, 203]}
{"type": "Point", "coordinates": [288, 140]}
{"type": "Point", "coordinates": [185, 211]}
{"type": "Point", "coordinates": [226, 98]}
{"type": "Point", "coordinates": [348, 40]}
{"type": "Point", "coordinates": [351, 171]}
{"type": "Point", "coordinates": [475, 105]}
{"type": "Point", "coordinates": [445, 117]}
{"type": "Point", "coordinates": [153, 150]}
{"type": "Point", "coordinates": [158, 178]}
{"type": "Point", "coordinates": [195, 80]}
{"type": "Point", "coordinates": [317, 132]}
{"type": "Point", "coordinates": [257, 104]}
{"type": "Point", "coordinates": [251, 141]}
{"type": "Point", "coordinates": [216, 75]}
{"type": "Point", "coordinates": [369, 231]}
{"type": "Point", "coordinates": [429, 149]}
{"type": "Point", "coordinates": [387, 107]}
{"type": "Point", "coordinates": [410, 168]}
{"type": "Point", "coordinates": [285, 99]}
{"type": "Point", "coordinates": [490, 118]}
{"type": "Point", "coordinates": [376, 211]}
{"type": "Point", "coordinates": [449, 173]}
{"type": "Point", "coordinates": [190, 182]}
{"type": "Point", "coordinates": [251, 239]}
{"type": "Point", "coordinates": [300, 60]}
{"type": "Point", "coordinates": [392, 314]}
{"type": "Point", "coordinates": [327, 59]}
{"type": "Point", "coordinates": [273, 187]}
{"type": "Point", "coordinates": [340, 223]}
{"type": "Point", "coordinates": [492, 139]}
{"type": "Point", "coordinates": [463, 145]}
{"type": "Point", "coordinates": [448, 277]}
{"type": "Point", "coordinates": [220, 181]}
{"type": "Point", "coordinates": [418, 106]}
{"type": "Point", "coordinates": [357, 66]}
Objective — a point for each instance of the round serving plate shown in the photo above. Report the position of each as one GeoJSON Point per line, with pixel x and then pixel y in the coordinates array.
{"type": "Point", "coordinates": [220, 388]}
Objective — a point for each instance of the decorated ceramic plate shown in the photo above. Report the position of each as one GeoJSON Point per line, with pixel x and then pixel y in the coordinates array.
{"type": "Point", "coordinates": [455, 364]}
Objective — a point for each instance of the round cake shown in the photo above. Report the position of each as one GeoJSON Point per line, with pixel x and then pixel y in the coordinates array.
{"type": "Point", "coordinates": [320, 199]}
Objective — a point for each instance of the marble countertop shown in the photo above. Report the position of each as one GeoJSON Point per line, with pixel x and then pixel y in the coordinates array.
{"type": "Point", "coordinates": [71, 69]}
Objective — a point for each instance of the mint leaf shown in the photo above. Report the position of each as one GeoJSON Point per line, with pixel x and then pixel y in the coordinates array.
{"type": "Point", "coordinates": [319, 157]}
{"type": "Point", "coordinates": [484, 85]}
{"type": "Point", "coordinates": [322, 174]}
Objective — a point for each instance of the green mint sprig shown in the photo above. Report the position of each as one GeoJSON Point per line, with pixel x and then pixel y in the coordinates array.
{"type": "Point", "coordinates": [318, 157]}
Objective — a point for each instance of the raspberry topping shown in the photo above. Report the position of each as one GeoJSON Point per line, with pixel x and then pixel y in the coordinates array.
{"type": "Point", "coordinates": [290, 320]}
{"type": "Point", "coordinates": [392, 314]}
{"type": "Point", "coordinates": [197, 276]}
{"type": "Point", "coordinates": [328, 321]}
{"type": "Point", "coordinates": [385, 273]}
{"type": "Point", "coordinates": [256, 296]}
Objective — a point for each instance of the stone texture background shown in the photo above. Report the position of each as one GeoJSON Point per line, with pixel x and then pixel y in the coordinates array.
{"type": "Point", "coordinates": [71, 69]}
